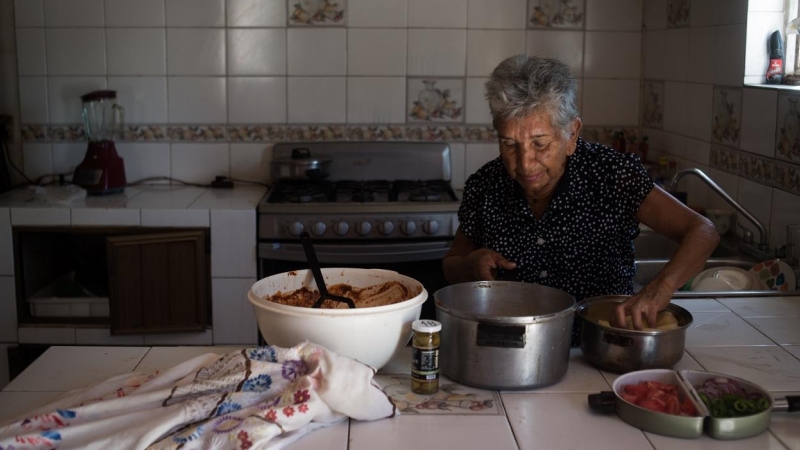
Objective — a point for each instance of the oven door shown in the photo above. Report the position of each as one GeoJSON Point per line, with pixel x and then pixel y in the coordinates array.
{"type": "Point", "coordinates": [420, 260]}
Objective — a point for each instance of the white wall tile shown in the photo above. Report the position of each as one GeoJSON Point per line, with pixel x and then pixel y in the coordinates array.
{"type": "Point", "coordinates": [699, 98]}
{"type": "Point", "coordinates": [75, 51]}
{"type": "Point", "coordinates": [48, 217]}
{"type": "Point", "coordinates": [102, 336]}
{"type": "Point", "coordinates": [458, 159]}
{"type": "Point", "coordinates": [675, 144]}
{"type": "Point", "coordinates": [317, 100]}
{"type": "Point", "coordinates": [199, 163]}
{"type": "Point", "coordinates": [377, 13]}
{"type": "Point", "coordinates": [376, 51]}
{"type": "Point", "coordinates": [64, 97]}
{"type": "Point", "coordinates": [702, 43]}
{"type": "Point", "coordinates": [566, 46]}
{"type": "Point", "coordinates": [759, 29]}
{"type": "Point", "coordinates": [196, 338]}
{"type": "Point", "coordinates": [426, 96]}
{"type": "Point", "coordinates": [37, 160]}
{"type": "Point", "coordinates": [197, 100]}
{"type": "Point", "coordinates": [732, 11]}
{"type": "Point", "coordinates": [757, 199]}
{"type": "Point", "coordinates": [28, 13]}
{"type": "Point", "coordinates": [675, 107]}
{"type": "Point", "coordinates": [30, 51]}
{"type": "Point", "coordinates": [141, 13]}
{"type": "Point", "coordinates": [376, 99]}
{"type": "Point", "coordinates": [144, 160]}
{"type": "Point", "coordinates": [257, 51]}
{"type": "Point", "coordinates": [233, 317]}
{"type": "Point", "coordinates": [703, 13]}
{"type": "Point", "coordinates": [728, 182]}
{"type": "Point", "coordinates": [175, 218]}
{"type": "Point", "coordinates": [697, 151]}
{"type": "Point", "coordinates": [612, 55]}
{"type": "Point", "coordinates": [476, 104]}
{"type": "Point", "coordinates": [655, 14]}
{"type": "Point", "coordinates": [766, 5]}
{"type": "Point", "coordinates": [8, 310]}
{"type": "Point", "coordinates": [616, 15]}
{"type": "Point", "coordinates": [503, 14]}
{"type": "Point", "coordinates": [195, 51]}
{"type": "Point", "coordinates": [478, 155]}
{"type": "Point", "coordinates": [256, 99]}
{"type": "Point", "coordinates": [729, 55]}
{"type": "Point", "coordinates": [195, 13]}
{"type": "Point", "coordinates": [144, 98]}
{"type": "Point", "coordinates": [250, 162]}
{"type": "Point", "coordinates": [487, 48]}
{"type": "Point", "coordinates": [136, 51]}
{"type": "Point", "coordinates": [233, 244]}
{"type": "Point", "coordinates": [759, 121]}
{"type": "Point", "coordinates": [785, 211]}
{"type": "Point", "coordinates": [67, 156]}
{"type": "Point", "coordinates": [437, 13]}
{"type": "Point", "coordinates": [114, 217]}
{"type": "Point", "coordinates": [6, 243]}
{"type": "Point", "coordinates": [256, 13]}
{"type": "Point", "coordinates": [654, 48]}
{"type": "Point", "coordinates": [73, 13]}
{"type": "Point", "coordinates": [33, 99]}
{"type": "Point", "coordinates": [436, 52]}
{"type": "Point", "coordinates": [676, 54]}
{"type": "Point", "coordinates": [610, 102]}
{"type": "Point", "coordinates": [36, 335]}
{"type": "Point", "coordinates": [317, 52]}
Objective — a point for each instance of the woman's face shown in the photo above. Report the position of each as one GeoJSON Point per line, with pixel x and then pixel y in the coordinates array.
{"type": "Point", "coordinates": [534, 152]}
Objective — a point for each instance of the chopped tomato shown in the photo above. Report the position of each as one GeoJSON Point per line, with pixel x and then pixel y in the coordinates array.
{"type": "Point", "coordinates": [688, 408]}
{"type": "Point", "coordinates": [659, 397]}
{"type": "Point", "coordinates": [653, 405]}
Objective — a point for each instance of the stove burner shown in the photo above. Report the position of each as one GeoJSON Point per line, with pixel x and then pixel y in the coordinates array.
{"type": "Point", "coordinates": [293, 191]}
{"type": "Point", "coordinates": [362, 196]}
{"type": "Point", "coordinates": [361, 191]}
{"type": "Point", "coordinates": [424, 195]}
{"type": "Point", "coordinates": [421, 190]}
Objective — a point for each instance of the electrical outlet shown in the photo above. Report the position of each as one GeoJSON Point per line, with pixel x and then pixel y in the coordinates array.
{"type": "Point", "coordinates": [6, 127]}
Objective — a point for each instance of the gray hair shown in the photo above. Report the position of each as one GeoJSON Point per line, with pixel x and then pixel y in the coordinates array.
{"type": "Point", "coordinates": [522, 85]}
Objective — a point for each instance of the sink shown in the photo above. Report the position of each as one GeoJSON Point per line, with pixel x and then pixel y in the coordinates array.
{"type": "Point", "coordinates": [648, 269]}
{"type": "Point", "coordinates": [651, 245]}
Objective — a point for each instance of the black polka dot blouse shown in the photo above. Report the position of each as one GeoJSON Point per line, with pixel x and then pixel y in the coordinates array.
{"type": "Point", "coordinates": [582, 244]}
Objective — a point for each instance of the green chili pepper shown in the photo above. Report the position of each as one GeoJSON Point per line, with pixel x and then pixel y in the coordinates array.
{"type": "Point", "coordinates": [762, 404]}
{"type": "Point", "coordinates": [743, 406]}
{"type": "Point", "coordinates": [705, 399]}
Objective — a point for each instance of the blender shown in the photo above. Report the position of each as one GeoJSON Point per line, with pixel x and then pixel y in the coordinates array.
{"type": "Point", "coordinates": [102, 171]}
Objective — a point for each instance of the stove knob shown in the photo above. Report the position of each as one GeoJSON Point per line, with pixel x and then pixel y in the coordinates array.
{"type": "Point", "coordinates": [430, 226]}
{"type": "Point", "coordinates": [363, 228]}
{"type": "Point", "coordinates": [341, 228]}
{"type": "Point", "coordinates": [295, 229]}
{"type": "Point", "coordinates": [318, 229]}
{"type": "Point", "coordinates": [385, 228]}
{"type": "Point", "coordinates": [408, 228]}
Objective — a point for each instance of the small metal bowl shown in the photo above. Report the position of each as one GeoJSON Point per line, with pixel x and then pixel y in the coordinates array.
{"type": "Point", "coordinates": [621, 351]}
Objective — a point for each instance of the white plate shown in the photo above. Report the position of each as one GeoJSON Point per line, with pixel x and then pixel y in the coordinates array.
{"type": "Point", "coordinates": [735, 278]}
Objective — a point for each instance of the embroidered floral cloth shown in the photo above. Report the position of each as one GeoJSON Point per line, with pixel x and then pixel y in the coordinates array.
{"type": "Point", "coordinates": [264, 397]}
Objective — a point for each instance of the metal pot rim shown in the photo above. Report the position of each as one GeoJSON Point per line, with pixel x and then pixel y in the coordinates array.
{"type": "Point", "coordinates": [583, 306]}
{"type": "Point", "coordinates": [508, 320]}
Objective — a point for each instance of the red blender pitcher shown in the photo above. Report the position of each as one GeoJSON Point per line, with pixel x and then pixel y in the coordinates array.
{"type": "Point", "coordinates": [102, 171]}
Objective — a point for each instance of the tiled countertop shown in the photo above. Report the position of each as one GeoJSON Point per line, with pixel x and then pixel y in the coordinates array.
{"type": "Point", "coordinates": [753, 338]}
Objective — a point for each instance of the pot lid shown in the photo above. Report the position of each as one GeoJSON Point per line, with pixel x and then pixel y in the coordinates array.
{"type": "Point", "coordinates": [504, 301]}
{"type": "Point", "coordinates": [302, 156]}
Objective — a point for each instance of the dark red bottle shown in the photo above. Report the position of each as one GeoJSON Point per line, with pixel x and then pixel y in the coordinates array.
{"type": "Point", "coordinates": [775, 69]}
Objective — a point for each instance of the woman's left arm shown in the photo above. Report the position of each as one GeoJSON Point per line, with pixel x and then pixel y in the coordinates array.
{"type": "Point", "coordinates": [697, 238]}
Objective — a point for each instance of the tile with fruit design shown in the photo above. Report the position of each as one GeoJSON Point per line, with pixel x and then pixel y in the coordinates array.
{"type": "Point", "coordinates": [196, 133]}
{"type": "Point", "coordinates": [786, 177]}
{"type": "Point", "coordinates": [556, 13]}
{"type": "Point", "coordinates": [727, 116]}
{"type": "Point", "coordinates": [725, 159]}
{"type": "Point", "coordinates": [375, 132]}
{"type": "Point", "coordinates": [678, 13]}
{"type": "Point", "coordinates": [451, 398]}
{"type": "Point", "coordinates": [481, 133]}
{"type": "Point", "coordinates": [443, 133]}
{"type": "Point", "coordinates": [653, 110]}
{"type": "Point", "coordinates": [315, 133]}
{"type": "Point", "coordinates": [606, 135]}
{"type": "Point", "coordinates": [788, 134]}
{"type": "Point", "coordinates": [65, 133]}
{"type": "Point", "coordinates": [143, 133]}
{"type": "Point", "coordinates": [256, 133]}
{"type": "Point", "coordinates": [317, 12]}
{"type": "Point", "coordinates": [435, 100]}
{"type": "Point", "coordinates": [33, 133]}
{"type": "Point", "coordinates": [755, 168]}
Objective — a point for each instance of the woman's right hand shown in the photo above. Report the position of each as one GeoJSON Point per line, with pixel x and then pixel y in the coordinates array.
{"type": "Point", "coordinates": [485, 262]}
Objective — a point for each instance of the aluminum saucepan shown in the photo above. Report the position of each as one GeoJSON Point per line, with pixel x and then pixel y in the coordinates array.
{"type": "Point", "coordinates": [688, 427]}
{"type": "Point", "coordinates": [300, 166]}
{"type": "Point", "coordinates": [618, 350]}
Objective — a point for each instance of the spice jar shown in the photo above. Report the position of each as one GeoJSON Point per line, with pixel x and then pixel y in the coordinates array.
{"type": "Point", "coordinates": [425, 356]}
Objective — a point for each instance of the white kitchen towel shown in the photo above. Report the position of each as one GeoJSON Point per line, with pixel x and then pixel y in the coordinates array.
{"type": "Point", "coordinates": [263, 397]}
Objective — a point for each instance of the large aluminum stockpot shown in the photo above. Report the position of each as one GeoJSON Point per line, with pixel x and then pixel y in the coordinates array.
{"type": "Point", "coordinates": [621, 351]}
{"type": "Point", "coordinates": [504, 335]}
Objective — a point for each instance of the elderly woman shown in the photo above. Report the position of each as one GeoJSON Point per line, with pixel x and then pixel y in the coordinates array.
{"type": "Point", "coordinates": [561, 212]}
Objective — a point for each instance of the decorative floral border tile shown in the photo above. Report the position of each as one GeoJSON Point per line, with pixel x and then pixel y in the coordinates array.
{"type": "Point", "coordinates": [33, 133]}
{"type": "Point", "coordinates": [65, 133]}
{"type": "Point", "coordinates": [755, 168]}
{"type": "Point", "coordinates": [787, 177]}
{"type": "Point", "coordinates": [315, 133]}
{"type": "Point", "coordinates": [678, 13]}
{"type": "Point", "coordinates": [375, 132]}
{"type": "Point", "coordinates": [653, 110]}
{"type": "Point", "coordinates": [605, 135]}
{"type": "Point", "coordinates": [481, 133]}
{"type": "Point", "coordinates": [143, 133]}
{"type": "Point", "coordinates": [727, 120]}
{"type": "Point", "coordinates": [317, 12]}
{"type": "Point", "coordinates": [196, 133]}
{"type": "Point", "coordinates": [788, 134]}
{"type": "Point", "coordinates": [445, 133]}
{"type": "Point", "coordinates": [435, 100]}
{"type": "Point", "coordinates": [451, 398]}
{"type": "Point", "coordinates": [726, 159]}
{"type": "Point", "coordinates": [556, 13]}
{"type": "Point", "coordinates": [256, 133]}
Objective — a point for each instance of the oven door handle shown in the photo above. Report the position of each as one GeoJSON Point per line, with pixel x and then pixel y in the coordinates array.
{"type": "Point", "coordinates": [357, 253]}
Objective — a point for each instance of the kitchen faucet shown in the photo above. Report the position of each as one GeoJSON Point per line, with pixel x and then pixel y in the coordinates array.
{"type": "Point", "coordinates": [763, 245]}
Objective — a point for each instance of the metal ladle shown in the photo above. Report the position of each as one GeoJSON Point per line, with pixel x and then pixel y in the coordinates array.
{"type": "Point", "coordinates": [313, 262]}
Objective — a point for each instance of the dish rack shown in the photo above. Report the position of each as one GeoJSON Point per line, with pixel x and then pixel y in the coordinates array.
{"type": "Point", "coordinates": [64, 297]}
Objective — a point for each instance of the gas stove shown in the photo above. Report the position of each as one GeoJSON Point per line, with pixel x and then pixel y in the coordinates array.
{"type": "Point", "coordinates": [384, 190]}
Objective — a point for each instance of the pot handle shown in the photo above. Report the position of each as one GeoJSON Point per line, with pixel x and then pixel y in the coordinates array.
{"type": "Point", "coordinates": [603, 402]}
{"type": "Point", "coordinates": [509, 336]}
{"type": "Point", "coordinates": [791, 403]}
{"type": "Point", "coordinates": [301, 153]}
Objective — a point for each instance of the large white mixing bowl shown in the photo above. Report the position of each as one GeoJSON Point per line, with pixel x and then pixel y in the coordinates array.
{"type": "Point", "coordinates": [369, 335]}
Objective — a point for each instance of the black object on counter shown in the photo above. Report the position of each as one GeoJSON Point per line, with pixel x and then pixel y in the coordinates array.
{"type": "Point", "coordinates": [775, 69]}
